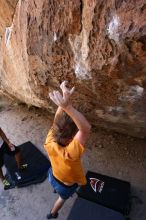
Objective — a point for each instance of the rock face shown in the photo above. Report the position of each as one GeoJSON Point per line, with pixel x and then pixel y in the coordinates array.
{"type": "Point", "coordinates": [7, 9]}
{"type": "Point", "coordinates": [97, 45]}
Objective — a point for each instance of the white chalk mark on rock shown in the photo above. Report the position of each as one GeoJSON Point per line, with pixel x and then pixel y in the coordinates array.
{"type": "Point", "coordinates": [134, 93]}
{"type": "Point", "coordinates": [8, 35]}
{"type": "Point", "coordinates": [55, 36]}
{"type": "Point", "coordinates": [117, 109]}
{"type": "Point", "coordinates": [113, 28]}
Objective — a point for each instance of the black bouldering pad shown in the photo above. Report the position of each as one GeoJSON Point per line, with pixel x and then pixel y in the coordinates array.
{"type": "Point", "coordinates": [107, 191]}
{"type": "Point", "coordinates": [86, 210]}
{"type": "Point", "coordinates": [38, 166]}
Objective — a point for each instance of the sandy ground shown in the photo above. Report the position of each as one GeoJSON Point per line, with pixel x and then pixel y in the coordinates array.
{"type": "Point", "coordinates": [108, 153]}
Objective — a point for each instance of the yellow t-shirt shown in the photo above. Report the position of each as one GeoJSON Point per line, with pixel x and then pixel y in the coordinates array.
{"type": "Point", "coordinates": [65, 161]}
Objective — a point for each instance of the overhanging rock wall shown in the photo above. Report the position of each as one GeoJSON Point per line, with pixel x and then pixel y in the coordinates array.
{"type": "Point", "coordinates": [97, 45]}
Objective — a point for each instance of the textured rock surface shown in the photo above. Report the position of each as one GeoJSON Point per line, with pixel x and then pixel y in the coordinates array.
{"type": "Point", "coordinates": [7, 10]}
{"type": "Point", "coordinates": [100, 46]}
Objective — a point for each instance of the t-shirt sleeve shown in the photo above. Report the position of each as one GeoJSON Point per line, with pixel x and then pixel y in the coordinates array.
{"type": "Point", "coordinates": [49, 138]}
{"type": "Point", "coordinates": [75, 149]}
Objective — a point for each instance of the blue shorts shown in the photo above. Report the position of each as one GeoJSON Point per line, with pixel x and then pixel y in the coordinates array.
{"type": "Point", "coordinates": [63, 190]}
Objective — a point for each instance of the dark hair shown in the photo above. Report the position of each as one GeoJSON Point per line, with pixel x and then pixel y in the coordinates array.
{"type": "Point", "coordinates": [63, 128]}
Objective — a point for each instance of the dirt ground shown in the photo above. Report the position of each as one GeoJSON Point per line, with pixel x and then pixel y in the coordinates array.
{"type": "Point", "coordinates": [108, 153]}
